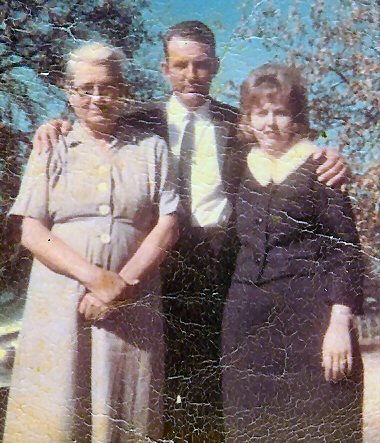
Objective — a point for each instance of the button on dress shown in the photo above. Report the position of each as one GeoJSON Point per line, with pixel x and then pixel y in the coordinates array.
{"type": "Point", "coordinates": [73, 381]}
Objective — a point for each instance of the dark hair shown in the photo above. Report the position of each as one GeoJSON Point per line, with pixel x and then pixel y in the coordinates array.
{"type": "Point", "coordinates": [273, 82]}
{"type": "Point", "coordinates": [193, 30]}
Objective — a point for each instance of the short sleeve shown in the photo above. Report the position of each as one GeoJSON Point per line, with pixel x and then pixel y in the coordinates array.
{"type": "Point", "coordinates": [167, 195]}
{"type": "Point", "coordinates": [32, 199]}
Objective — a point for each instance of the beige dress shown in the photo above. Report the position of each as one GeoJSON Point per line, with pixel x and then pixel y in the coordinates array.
{"type": "Point", "coordinates": [72, 381]}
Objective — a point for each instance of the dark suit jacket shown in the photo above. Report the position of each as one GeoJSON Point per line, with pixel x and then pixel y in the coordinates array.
{"type": "Point", "coordinates": [152, 117]}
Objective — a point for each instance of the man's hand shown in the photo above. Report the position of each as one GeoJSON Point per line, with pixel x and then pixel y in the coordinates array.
{"type": "Point", "coordinates": [336, 348]}
{"type": "Point", "coordinates": [47, 135]}
{"type": "Point", "coordinates": [333, 170]}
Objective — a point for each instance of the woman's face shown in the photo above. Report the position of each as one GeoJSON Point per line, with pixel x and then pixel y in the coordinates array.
{"type": "Point", "coordinates": [95, 96]}
{"type": "Point", "coordinates": [272, 125]}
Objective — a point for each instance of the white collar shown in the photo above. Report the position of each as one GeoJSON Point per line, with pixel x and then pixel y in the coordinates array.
{"type": "Point", "coordinates": [79, 133]}
{"type": "Point", "coordinates": [266, 168]}
{"type": "Point", "coordinates": [178, 113]}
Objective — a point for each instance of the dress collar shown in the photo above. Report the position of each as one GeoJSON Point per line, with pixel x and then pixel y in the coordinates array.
{"type": "Point", "coordinates": [266, 168]}
{"type": "Point", "coordinates": [82, 135]}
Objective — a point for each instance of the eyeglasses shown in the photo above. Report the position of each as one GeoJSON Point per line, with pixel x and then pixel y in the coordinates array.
{"type": "Point", "coordinates": [90, 90]}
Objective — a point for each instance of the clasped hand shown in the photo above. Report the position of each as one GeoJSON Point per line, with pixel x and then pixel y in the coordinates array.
{"type": "Point", "coordinates": [105, 290]}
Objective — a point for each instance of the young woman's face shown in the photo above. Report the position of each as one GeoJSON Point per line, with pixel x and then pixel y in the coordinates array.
{"type": "Point", "coordinates": [272, 125]}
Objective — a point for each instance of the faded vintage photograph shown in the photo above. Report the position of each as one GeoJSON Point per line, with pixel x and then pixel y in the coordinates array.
{"type": "Point", "coordinates": [190, 227]}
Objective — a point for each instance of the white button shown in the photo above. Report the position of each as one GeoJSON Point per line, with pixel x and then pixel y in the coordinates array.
{"type": "Point", "coordinates": [102, 187]}
{"type": "Point", "coordinates": [105, 238]}
{"type": "Point", "coordinates": [103, 169]}
{"type": "Point", "coordinates": [104, 209]}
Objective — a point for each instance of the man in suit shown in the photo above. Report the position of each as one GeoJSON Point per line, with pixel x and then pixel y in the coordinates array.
{"type": "Point", "coordinates": [197, 274]}
{"type": "Point", "coordinates": [201, 133]}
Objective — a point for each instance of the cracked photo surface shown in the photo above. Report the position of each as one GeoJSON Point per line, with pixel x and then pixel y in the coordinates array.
{"type": "Point", "coordinates": [190, 225]}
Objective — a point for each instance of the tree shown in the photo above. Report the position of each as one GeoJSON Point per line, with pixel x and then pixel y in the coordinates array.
{"type": "Point", "coordinates": [14, 262]}
{"type": "Point", "coordinates": [37, 35]}
{"type": "Point", "coordinates": [334, 43]}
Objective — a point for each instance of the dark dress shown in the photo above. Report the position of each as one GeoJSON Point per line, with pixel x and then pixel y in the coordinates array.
{"type": "Point", "coordinates": [299, 255]}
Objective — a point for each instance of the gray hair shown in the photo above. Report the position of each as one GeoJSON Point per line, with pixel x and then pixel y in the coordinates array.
{"type": "Point", "coordinates": [98, 54]}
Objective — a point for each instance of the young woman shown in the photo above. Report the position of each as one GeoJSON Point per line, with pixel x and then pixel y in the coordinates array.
{"type": "Point", "coordinates": [292, 368]}
{"type": "Point", "coordinates": [98, 214]}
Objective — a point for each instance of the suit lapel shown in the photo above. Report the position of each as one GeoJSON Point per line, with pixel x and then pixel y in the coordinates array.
{"type": "Point", "coordinates": [225, 132]}
{"type": "Point", "coordinates": [150, 118]}
{"type": "Point", "coordinates": [222, 135]}
{"type": "Point", "coordinates": [161, 120]}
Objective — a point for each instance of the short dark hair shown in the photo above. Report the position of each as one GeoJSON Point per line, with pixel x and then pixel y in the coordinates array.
{"type": "Point", "coordinates": [193, 30]}
{"type": "Point", "coordinates": [274, 82]}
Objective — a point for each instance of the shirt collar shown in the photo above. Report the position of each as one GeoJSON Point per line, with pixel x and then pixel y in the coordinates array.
{"type": "Point", "coordinates": [178, 113]}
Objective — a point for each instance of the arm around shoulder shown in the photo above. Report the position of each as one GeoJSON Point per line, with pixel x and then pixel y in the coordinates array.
{"type": "Point", "coordinates": [333, 169]}
{"type": "Point", "coordinates": [47, 135]}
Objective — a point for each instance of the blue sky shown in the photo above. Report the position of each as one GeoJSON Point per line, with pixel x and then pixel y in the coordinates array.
{"type": "Point", "coordinates": [237, 57]}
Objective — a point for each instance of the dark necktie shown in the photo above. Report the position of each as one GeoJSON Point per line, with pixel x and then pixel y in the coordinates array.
{"type": "Point", "coordinates": [184, 169]}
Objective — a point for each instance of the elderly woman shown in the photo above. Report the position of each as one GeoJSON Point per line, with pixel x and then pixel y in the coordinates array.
{"type": "Point", "coordinates": [98, 214]}
{"type": "Point", "coordinates": [296, 285]}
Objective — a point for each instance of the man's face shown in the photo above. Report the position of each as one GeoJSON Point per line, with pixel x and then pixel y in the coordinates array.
{"type": "Point", "coordinates": [190, 67]}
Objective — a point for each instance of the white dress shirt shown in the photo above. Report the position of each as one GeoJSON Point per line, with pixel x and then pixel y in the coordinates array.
{"type": "Point", "coordinates": [209, 204]}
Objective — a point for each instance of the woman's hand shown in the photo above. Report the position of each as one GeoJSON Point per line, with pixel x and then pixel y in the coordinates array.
{"type": "Point", "coordinates": [92, 308]}
{"type": "Point", "coordinates": [107, 286]}
{"type": "Point", "coordinates": [337, 348]}
{"type": "Point", "coordinates": [107, 291]}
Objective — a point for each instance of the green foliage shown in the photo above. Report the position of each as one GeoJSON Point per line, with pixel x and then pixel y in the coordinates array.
{"type": "Point", "coordinates": [14, 262]}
